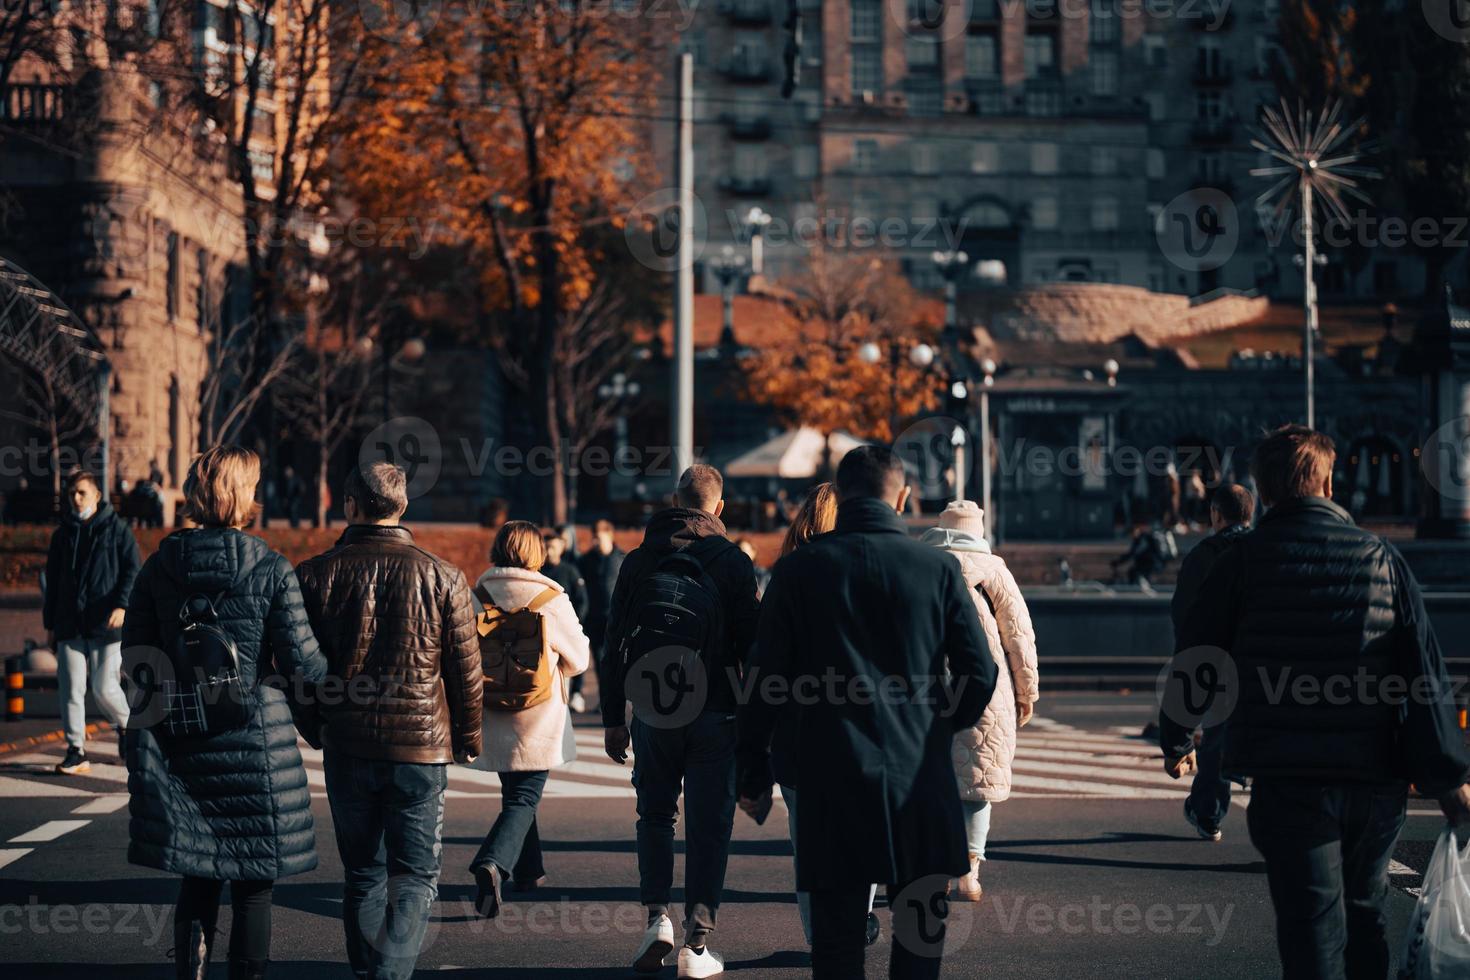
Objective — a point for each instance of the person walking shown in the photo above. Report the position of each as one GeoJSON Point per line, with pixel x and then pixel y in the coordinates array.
{"type": "Point", "coordinates": [600, 565]}
{"type": "Point", "coordinates": [1310, 596]}
{"type": "Point", "coordinates": [230, 805]}
{"type": "Point", "coordinates": [876, 639]}
{"type": "Point", "coordinates": [684, 612]}
{"type": "Point", "coordinates": [1231, 509]}
{"type": "Point", "coordinates": [983, 754]}
{"type": "Point", "coordinates": [522, 744]}
{"type": "Point", "coordinates": [398, 631]}
{"type": "Point", "coordinates": [90, 569]}
{"type": "Point", "coordinates": [564, 571]}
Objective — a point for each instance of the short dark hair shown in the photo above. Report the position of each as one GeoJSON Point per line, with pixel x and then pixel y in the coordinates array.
{"type": "Point", "coordinates": [380, 489]}
{"type": "Point", "coordinates": [1233, 502]}
{"type": "Point", "coordinates": [603, 524]}
{"type": "Point", "coordinates": [700, 487]}
{"type": "Point", "coordinates": [870, 471]}
{"type": "Point", "coordinates": [83, 476]}
{"type": "Point", "coordinates": [1292, 461]}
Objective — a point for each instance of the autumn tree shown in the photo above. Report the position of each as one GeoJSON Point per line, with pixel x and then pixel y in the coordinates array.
{"type": "Point", "coordinates": [813, 375]}
{"type": "Point", "coordinates": [510, 125]}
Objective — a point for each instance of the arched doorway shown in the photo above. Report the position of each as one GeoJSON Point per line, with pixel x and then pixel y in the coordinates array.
{"type": "Point", "coordinates": [988, 230]}
{"type": "Point", "coordinates": [63, 377]}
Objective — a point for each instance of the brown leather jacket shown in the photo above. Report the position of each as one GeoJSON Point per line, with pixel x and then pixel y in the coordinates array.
{"type": "Point", "coordinates": [404, 682]}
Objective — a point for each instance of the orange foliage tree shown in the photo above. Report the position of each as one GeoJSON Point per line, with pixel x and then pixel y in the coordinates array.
{"type": "Point", "coordinates": [509, 127]}
{"type": "Point", "coordinates": [835, 303]}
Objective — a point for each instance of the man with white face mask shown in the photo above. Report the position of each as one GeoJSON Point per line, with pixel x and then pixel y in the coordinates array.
{"type": "Point", "coordinates": [90, 570]}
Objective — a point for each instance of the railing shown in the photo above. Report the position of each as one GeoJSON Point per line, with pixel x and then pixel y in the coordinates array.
{"type": "Point", "coordinates": [33, 102]}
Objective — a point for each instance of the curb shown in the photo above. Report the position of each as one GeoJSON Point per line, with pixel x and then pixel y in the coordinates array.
{"type": "Point", "coordinates": [21, 744]}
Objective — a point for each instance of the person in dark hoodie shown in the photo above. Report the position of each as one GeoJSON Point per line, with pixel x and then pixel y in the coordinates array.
{"type": "Point", "coordinates": [232, 804]}
{"type": "Point", "coordinates": [90, 569]}
{"type": "Point", "coordinates": [564, 571]}
{"type": "Point", "coordinates": [689, 575]}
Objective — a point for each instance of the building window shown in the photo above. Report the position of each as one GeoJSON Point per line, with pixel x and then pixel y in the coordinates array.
{"type": "Point", "coordinates": [925, 158]}
{"type": "Point", "coordinates": [171, 277]}
{"type": "Point", "coordinates": [1104, 161]}
{"type": "Point", "coordinates": [922, 52]}
{"type": "Point", "coordinates": [1103, 25]}
{"type": "Point", "coordinates": [1044, 158]}
{"type": "Point", "coordinates": [1208, 60]}
{"type": "Point", "coordinates": [1155, 103]}
{"type": "Point", "coordinates": [1105, 214]}
{"type": "Point", "coordinates": [1208, 106]}
{"type": "Point", "coordinates": [1041, 54]}
{"type": "Point", "coordinates": [203, 296]}
{"type": "Point", "coordinates": [1210, 167]}
{"type": "Point", "coordinates": [867, 68]}
{"type": "Point", "coordinates": [985, 158]}
{"type": "Point", "coordinates": [750, 163]}
{"type": "Point", "coordinates": [865, 156]}
{"type": "Point", "coordinates": [804, 162]}
{"type": "Point", "coordinates": [926, 99]}
{"type": "Point", "coordinates": [1155, 50]}
{"type": "Point", "coordinates": [1155, 164]}
{"type": "Point", "coordinates": [980, 55]}
{"type": "Point", "coordinates": [1104, 71]}
{"type": "Point", "coordinates": [1044, 213]}
{"type": "Point", "coordinates": [867, 24]}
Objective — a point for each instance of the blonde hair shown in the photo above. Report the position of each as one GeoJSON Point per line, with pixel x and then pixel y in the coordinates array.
{"type": "Point", "coordinates": [518, 544]}
{"type": "Point", "coordinates": [817, 515]}
{"type": "Point", "coordinates": [220, 488]}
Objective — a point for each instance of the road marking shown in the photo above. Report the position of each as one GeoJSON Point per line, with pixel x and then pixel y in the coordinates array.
{"type": "Point", "coordinates": [9, 854]}
{"type": "Point", "coordinates": [48, 831]}
{"type": "Point", "coordinates": [14, 789]}
{"type": "Point", "coordinates": [110, 803]}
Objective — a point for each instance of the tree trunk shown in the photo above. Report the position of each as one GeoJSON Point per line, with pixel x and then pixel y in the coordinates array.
{"type": "Point", "coordinates": [321, 483]}
{"type": "Point", "coordinates": [548, 313]}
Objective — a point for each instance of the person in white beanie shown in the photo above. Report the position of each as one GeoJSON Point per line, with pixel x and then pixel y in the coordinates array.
{"type": "Point", "coordinates": [983, 754]}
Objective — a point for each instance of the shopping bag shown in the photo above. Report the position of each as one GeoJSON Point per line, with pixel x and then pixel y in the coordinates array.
{"type": "Point", "coordinates": [1438, 945]}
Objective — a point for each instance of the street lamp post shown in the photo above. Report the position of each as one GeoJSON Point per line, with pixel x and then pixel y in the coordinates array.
{"type": "Point", "coordinates": [921, 356]}
{"type": "Point", "coordinates": [950, 264]}
{"type": "Point", "coordinates": [988, 366]}
{"type": "Point", "coordinates": [728, 268]}
{"type": "Point", "coordinates": [755, 226]}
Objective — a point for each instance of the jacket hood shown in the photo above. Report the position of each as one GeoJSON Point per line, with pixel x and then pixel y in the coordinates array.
{"type": "Point", "coordinates": [492, 576]}
{"type": "Point", "coordinates": [950, 539]}
{"type": "Point", "coordinates": [104, 514]}
{"type": "Point", "coordinates": [210, 559]}
{"type": "Point", "coordinates": [677, 528]}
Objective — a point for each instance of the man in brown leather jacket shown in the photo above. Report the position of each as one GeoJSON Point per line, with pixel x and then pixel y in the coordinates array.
{"type": "Point", "coordinates": [401, 701]}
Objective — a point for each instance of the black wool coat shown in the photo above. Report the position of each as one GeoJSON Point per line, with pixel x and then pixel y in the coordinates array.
{"type": "Point", "coordinates": [230, 805]}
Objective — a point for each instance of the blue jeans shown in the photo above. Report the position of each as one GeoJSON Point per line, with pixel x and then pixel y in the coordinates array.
{"type": "Point", "coordinates": [1209, 795]}
{"type": "Point", "coordinates": [700, 757]}
{"type": "Point", "coordinates": [389, 819]}
{"type": "Point", "coordinates": [513, 843]}
{"type": "Point", "coordinates": [1327, 848]}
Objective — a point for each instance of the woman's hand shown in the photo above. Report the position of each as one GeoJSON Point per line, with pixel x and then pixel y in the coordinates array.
{"type": "Point", "coordinates": [1024, 711]}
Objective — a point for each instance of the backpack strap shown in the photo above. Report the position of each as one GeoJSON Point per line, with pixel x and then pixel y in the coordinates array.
{"type": "Point", "coordinates": [545, 596]}
{"type": "Point", "coordinates": [483, 594]}
{"type": "Point", "coordinates": [186, 616]}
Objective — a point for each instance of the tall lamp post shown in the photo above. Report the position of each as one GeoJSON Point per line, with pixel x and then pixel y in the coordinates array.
{"type": "Point", "coordinates": [920, 356]}
{"type": "Point", "coordinates": [729, 267]}
{"type": "Point", "coordinates": [988, 367]}
{"type": "Point", "coordinates": [950, 265]}
{"type": "Point", "coordinates": [755, 226]}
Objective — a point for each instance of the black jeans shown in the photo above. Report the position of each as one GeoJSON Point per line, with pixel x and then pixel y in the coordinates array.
{"type": "Point", "coordinates": [513, 844]}
{"type": "Point", "coordinates": [839, 930]}
{"type": "Point", "coordinates": [1327, 848]}
{"type": "Point", "coordinates": [389, 818]}
{"type": "Point", "coordinates": [701, 758]}
{"type": "Point", "coordinates": [250, 914]}
{"type": "Point", "coordinates": [1209, 795]}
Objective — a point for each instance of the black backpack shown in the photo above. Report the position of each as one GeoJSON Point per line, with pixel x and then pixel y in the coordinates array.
{"type": "Point", "coordinates": [205, 693]}
{"type": "Point", "coordinates": [675, 611]}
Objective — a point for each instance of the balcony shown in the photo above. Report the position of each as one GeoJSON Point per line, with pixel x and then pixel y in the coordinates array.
{"type": "Point", "coordinates": [1207, 75]}
{"type": "Point", "coordinates": [747, 127]}
{"type": "Point", "coordinates": [33, 102]}
{"type": "Point", "coordinates": [745, 186]}
{"type": "Point", "coordinates": [746, 11]}
{"type": "Point", "coordinates": [746, 65]}
{"type": "Point", "coordinates": [1211, 132]}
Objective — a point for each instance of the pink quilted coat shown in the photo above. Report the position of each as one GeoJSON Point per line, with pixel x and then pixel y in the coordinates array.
{"type": "Point", "coordinates": [983, 754]}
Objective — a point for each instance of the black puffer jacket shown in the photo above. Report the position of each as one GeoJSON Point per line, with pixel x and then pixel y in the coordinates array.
{"type": "Point", "coordinates": [398, 630]}
{"type": "Point", "coordinates": [90, 569]}
{"type": "Point", "coordinates": [1196, 566]}
{"type": "Point", "coordinates": [235, 804]}
{"type": "Point", "coordinates": [1326, 630]}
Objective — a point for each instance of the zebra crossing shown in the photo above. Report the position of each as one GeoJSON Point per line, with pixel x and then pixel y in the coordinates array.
{"type": "Point", "coordinates": [1053, 760]}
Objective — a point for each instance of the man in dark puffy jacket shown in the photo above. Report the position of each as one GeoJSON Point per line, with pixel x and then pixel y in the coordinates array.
{"type": "Point", "coordinates": [1231, 508]}
{"type": "Point", "coordinates": [1310, 635]}
{"type": "Point", "coordinates": [90, 569]}
{"type": "Point", "coordinates": [401, 702]}
{"type": "Point", "coordinates": [684, 735]}
{"type": "Point", "coordinates": [600, 566]}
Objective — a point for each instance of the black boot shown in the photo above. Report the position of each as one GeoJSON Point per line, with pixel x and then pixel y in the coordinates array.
{"type": "Point", "coordinates": [191, 949]}
{"type": "Point", "coordinates": [248, 969]}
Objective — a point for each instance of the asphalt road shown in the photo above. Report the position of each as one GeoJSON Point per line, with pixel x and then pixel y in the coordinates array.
{"type": "Point", "coordinates": [1092, 870]}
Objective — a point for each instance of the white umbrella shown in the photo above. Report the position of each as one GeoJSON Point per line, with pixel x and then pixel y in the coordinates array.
{"type": "Point", "coordinates": [793, 455]}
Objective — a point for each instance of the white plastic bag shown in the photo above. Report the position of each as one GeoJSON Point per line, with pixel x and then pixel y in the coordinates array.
{"type": "Point", "coordinates": [1438, 945]}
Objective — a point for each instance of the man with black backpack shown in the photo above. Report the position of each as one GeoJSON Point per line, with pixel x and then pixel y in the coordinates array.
{"type": "Point", "coordinates": [681, 623]}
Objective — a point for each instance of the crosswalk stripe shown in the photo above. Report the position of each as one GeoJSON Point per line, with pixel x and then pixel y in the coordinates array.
{"type": "Point", "coordinates": [48, 831]}
{"type": "Point", "coordinates": [103, 804]}
{"type": "Point", "coordinates": [9, 854]}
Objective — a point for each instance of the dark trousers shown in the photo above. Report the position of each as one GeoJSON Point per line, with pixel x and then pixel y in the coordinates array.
{"type": "Point", "coordinates": [1209, 795]}
{"type": "Point", "coordinates": [250, 914]}
{"type": "Point", "coordinates": [839, 930]}
{"type": "Point", "coordinates": [513, 844]}
{"type": "Point", "coordinates": [389, 818]}
{"type": "Point", "coordinates": [1327, 848]}
{"type": "Point", "coordinates": [700, 757]}
{"type": "Point", "coordinates": [596, 630]}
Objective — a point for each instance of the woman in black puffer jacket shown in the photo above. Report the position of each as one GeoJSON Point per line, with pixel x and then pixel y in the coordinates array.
{"type": "Point", "coordinates": [228, 805]}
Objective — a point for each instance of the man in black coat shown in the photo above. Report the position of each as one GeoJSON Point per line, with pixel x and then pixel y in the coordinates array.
{"type": "Point", "coordinates": [1231, 508]}
{"type": "Point", "coordinates": [1310, 636]}
{"type": "Point", "coordinates": [683, 730]}
{"type": "Point", "coordinates": [874, 637]}
{"type": "Point", "coordinates": [563, 570]}
{"type": "Point", "coordinates": [90, 569]}
{"type": "Point", "coordinates": [600, 566]}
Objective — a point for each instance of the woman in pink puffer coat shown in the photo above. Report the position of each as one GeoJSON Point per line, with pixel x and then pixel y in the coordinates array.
{"type": "Point", "coordinates": [983, 754]}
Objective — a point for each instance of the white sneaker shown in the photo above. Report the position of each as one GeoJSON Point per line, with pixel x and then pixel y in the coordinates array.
{"type": "Point", "coordinates": [705, 964]}
{"type": "Point", "coordinates": [578, 704]}
{"type": "Point", "coordinates": [658, 942]}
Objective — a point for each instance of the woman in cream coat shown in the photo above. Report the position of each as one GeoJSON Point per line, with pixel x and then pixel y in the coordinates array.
{"type": "Point", "coordinates": [983, 754]}
{"type": "Point", "coordinates": [523, 746]}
